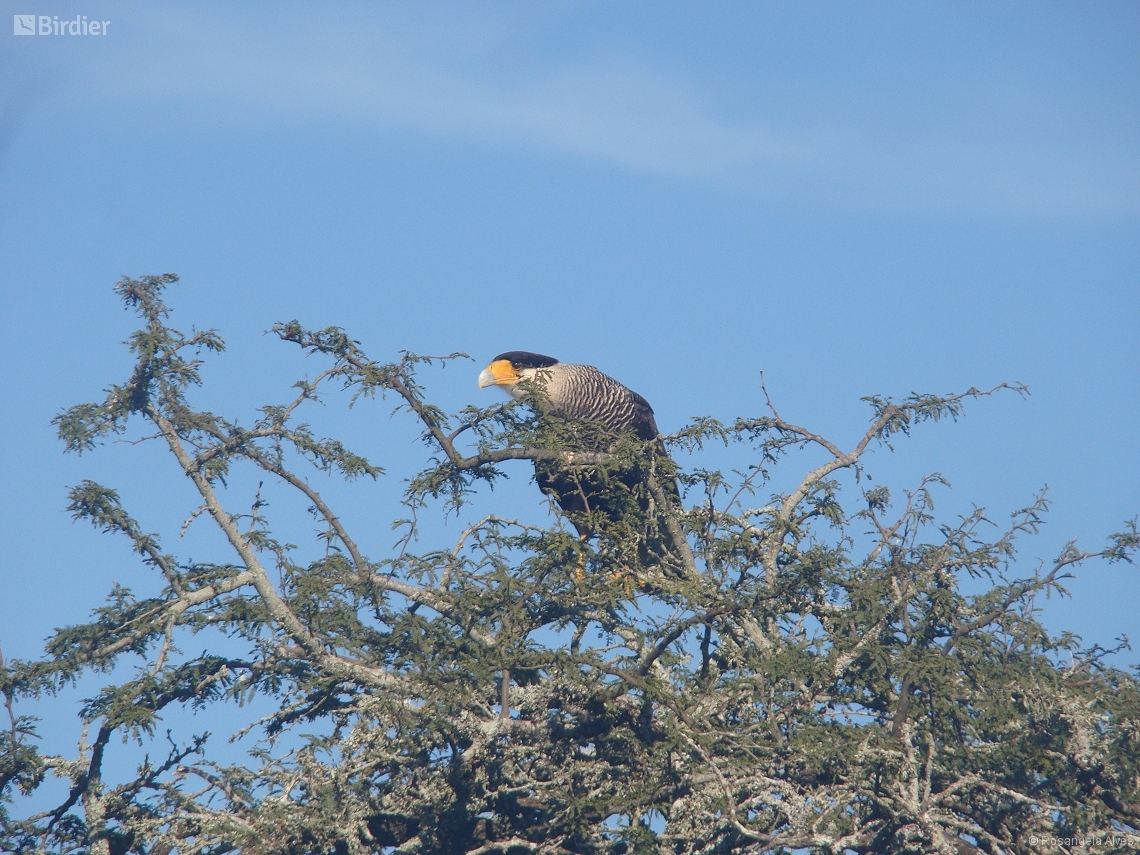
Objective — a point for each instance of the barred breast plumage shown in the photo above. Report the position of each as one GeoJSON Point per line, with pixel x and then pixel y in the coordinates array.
{"type": "Point", "coordinates": [584, 392]}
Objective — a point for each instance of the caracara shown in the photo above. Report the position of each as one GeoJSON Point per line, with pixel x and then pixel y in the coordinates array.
{"type": "Point", "coordinates": [598, 412]}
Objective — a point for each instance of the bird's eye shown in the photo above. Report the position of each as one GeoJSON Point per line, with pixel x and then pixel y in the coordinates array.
{"type": "Point", "coordinates": [516, 365]}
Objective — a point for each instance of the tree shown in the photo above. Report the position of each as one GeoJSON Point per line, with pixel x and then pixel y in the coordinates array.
{"type": "Point", "coordinates": [761, 684]}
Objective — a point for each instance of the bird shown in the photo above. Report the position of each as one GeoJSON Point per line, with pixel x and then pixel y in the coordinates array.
{"type": "Point", "coordinates": [592, 412]}
{"type": "Point", "coordinates": [580, 392]}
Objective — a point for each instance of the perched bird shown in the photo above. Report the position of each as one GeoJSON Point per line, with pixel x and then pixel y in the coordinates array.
{"type": "Point", "coordinates": [597, 412]}
{"type": "Point", "coordinates": [574, 391]}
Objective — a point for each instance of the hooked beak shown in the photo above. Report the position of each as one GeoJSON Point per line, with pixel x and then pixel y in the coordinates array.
{"type": "Point", "coordinates": [499, 373]}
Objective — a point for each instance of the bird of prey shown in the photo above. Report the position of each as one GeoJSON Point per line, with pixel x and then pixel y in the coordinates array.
{"type": "Point", "coordinates": [598, 413]}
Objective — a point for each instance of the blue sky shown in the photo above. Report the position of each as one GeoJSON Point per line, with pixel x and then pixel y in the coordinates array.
{"type": "Point", "coordinates": [854, 198]}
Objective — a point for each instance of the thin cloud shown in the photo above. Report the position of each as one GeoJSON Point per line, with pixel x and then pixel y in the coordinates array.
{"type": "Point", "coordinates": [455, 78]}
{"type": "Point", "coordinates": [614, 111]}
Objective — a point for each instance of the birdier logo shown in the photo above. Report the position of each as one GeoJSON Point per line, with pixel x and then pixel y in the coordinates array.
{"type": "Point", "coordinates": [51, 25]}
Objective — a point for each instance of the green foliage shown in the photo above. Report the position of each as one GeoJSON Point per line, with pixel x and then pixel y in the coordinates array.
{"type": "Point", "coordinates": [808, 673]}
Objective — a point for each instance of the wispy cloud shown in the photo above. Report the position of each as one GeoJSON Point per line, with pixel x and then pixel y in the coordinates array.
{"type": "Point", "coordinates": [400, 75]}
{"type": "Point", "coordinates": [456, 78]}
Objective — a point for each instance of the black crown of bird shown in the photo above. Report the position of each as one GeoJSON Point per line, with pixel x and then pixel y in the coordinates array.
{"type": "Point", "coordinates": [593, 497]}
